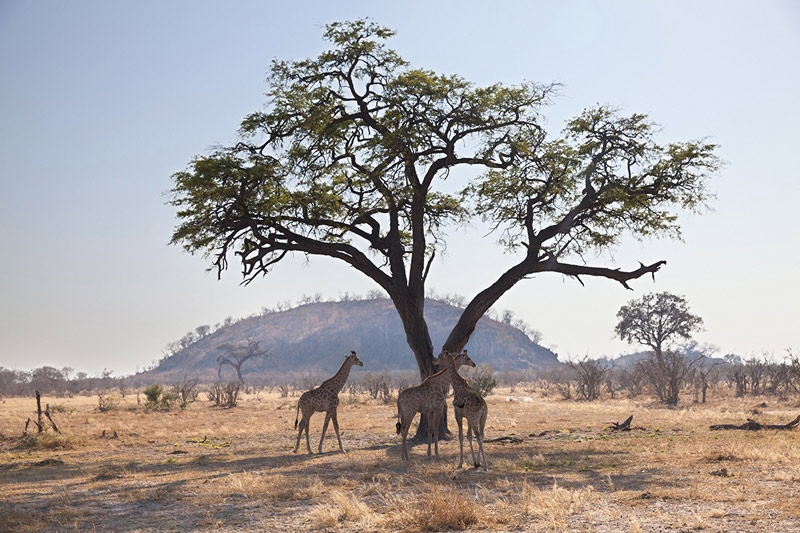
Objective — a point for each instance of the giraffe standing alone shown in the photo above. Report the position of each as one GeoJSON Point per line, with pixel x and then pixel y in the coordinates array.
{"type": "Point", "coordinates": [324, 398]}
{"type": "Point", "coordinates": [429, 397]}
{"type": "Point", "coordinates": [469, 404]}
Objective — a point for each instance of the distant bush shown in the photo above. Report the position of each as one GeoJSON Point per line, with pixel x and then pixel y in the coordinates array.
{"type": "Point", "coordinates": [224, 394]}
{"type": "Point", "coordinates": [153, 393]}
{"type": "Point", "coordinates": [482, 379]}
{"type": "Point", "coordinates": [106, 402]}
{"type": "Point", "coordinates": [186, 391]}
{"type": "Point", "coordinates": [377, 386]}
{"type": "Point", "coordinates": [159, 400]}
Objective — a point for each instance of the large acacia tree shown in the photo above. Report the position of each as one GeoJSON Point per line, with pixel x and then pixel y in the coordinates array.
{"type": "Point", "coordinates": [349, 157]}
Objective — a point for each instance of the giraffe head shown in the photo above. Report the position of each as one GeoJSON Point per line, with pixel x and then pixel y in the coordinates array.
{"type": "Point", "coordinates": [354, 358]}
{"type": "Point", "coordinates": [462, 359]}
{"type": "Point", "coordinates": [459, 359]}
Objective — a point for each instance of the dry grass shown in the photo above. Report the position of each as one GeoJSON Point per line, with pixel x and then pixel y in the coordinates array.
{"type": "Point", "coordinates": [210, 469]}
{"type": "Point", "coordinates": [434, 507]}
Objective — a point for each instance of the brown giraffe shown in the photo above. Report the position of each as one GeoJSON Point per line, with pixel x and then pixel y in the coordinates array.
{"type": "Point", "coordinates": [429, 397]}
{"type": "Point", "coordinates": [324, 398]}
{"type": "Point", "coordinates": [469, 404]}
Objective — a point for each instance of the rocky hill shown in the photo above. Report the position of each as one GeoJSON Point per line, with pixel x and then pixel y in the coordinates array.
{"type": "Point", "coordinates": [314, 338]}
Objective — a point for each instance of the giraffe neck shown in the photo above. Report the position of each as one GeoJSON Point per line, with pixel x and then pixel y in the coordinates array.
{"type": "Point", "coordinates": [455, 378]}
{"type": "Point", "coordinates": [340, 378]}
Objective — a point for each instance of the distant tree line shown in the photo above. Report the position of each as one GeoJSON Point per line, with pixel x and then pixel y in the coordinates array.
{"type": "Point", "coordinates": [679, 374]}
{"type": "Point", "coordinates": [53, 381]}
{"type": "Point", "coordinates": [699, 376]}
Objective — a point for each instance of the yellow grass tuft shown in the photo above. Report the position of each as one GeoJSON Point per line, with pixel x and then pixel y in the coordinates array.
{"type": "Point", "coordinates": [273, 487]}
{"type": "Point", "coordinates": [434, 507]}
{"type": "Point", "coordinates": [51, 441]}
{"type": "Point", "coordinates": [553, 507]}
{"type": "Point", "coordinates": [343, 507]}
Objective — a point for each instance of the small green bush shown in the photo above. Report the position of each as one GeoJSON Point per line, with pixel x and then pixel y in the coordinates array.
{"type": "Point", "coordinates": [158, 399]}
{"type": "Point", "coordinates": [153, 393]}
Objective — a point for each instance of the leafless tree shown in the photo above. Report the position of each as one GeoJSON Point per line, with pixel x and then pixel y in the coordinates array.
{"type": "Point", "coordinates": [186, 391]}
{"type": "Point", "coordinates": [236, 354]}
{"type": "Point", "coordinates": [590, 377]}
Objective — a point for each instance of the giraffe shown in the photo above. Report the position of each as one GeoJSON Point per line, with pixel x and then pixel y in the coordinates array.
{"type": "Point", "coordinates": [324, 398]}
{"type": "Point", "coordinates": [429, 397]}
{"type": "Point", "coordinates": [469, 404]}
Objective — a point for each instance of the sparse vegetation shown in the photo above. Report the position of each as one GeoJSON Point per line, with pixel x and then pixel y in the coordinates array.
{"type": "Point", "coordinates": [158, 398]}
{"type": "Point", "coordinates": [206, 469]}
{"type": "Point", "coordinates": [186, 391]}
{"type": "Point", "coordinates": [224, 394]}
{"type": "Point", "coordinates": [377, 386]}
{"type": "Point", "coordinates": [590, 376]}
{"type": "Point", "coordinates": [482, 379]}
{"type": "Point", "coordinates": [105, 401]}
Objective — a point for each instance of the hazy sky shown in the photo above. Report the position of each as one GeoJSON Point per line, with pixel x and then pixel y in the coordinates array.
{"type": "Point", "coordinates": [100, 102]}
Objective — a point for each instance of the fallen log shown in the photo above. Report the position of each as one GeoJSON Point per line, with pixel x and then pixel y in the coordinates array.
{"type": "Point", "coordinates": [505, 440]}
{"type": "Point", "coordinates": [752, 425]}
{"type": "Point", "coordinates": [625, 426]}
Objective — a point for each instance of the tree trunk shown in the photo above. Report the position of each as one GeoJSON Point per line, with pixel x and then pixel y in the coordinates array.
{"type": "Point", "coordinates": [418, 337]}
{"type": "Point", "coordinates": [39, 422]}
{"type": "Point", "coordinates": [419, 340]}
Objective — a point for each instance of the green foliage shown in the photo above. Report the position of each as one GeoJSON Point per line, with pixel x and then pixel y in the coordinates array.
{"type": "Point", "coordinates": [657, 320]}
{"type": "Point", "coordinates": [158, 399]}
{"type": "Point", "coordinates": [153, 392]}
{"type": "Point", "coordinates": [345, 155]}
{"type": "Point", "coordinates": [358, 156]}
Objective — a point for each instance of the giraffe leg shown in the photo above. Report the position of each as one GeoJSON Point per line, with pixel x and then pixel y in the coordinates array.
{"type": "Point", "coordinates": [469, 437]}
{"type": "Point", "coordinates": [481, 453]}
{"type": "Point", "coordinates": [430, 432]}
{"type": "Point", "coordinates": [336, 428]}
{"type": "Point", "coordinates": [459, 421]}
{"type": "Point", "coordinates": [436, 433]}
{"type": "Point", "coordinates": [307, 422]}
{"type": "Point", "coordinates": [324, 429]}
{"type": "Point", "coordinates": [405, 423]}
{"type": "Point", "coordinates": [482, 427]}
{"type": "Point", "coordinates": [299, 433]}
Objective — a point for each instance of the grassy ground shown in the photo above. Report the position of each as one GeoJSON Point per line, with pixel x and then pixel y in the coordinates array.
{"type": "Point", "coordinates": [207, 469]}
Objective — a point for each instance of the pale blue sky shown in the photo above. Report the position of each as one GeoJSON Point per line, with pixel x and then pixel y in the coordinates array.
{"type": "Point", "coordinates": [102, 101]}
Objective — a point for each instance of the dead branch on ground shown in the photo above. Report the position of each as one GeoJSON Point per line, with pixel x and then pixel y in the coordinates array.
{"type": "Point", "coordinates": [625, 426]}
{"type": "Point", "coordinates": [752, 425]}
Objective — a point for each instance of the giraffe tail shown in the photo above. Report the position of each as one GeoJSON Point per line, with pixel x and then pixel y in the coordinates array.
{"type": "Point", "coordinates": [398, 426]}
{"type": "Point", "coordinates": [297, 415]}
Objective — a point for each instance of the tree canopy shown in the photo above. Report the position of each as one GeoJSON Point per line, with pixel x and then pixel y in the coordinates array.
{"type": "Point", "coordinates": [657, 320]}
{"type": "Point", "coordinates": [350, 156]}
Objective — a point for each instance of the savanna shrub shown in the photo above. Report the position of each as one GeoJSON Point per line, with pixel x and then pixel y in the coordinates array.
{"type": "Point", "coordinates": [482, 379]}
